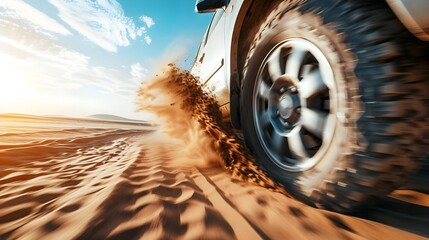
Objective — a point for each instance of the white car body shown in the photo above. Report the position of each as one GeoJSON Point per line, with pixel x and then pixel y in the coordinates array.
{"type": "Point", "coordinates": [212, 64]}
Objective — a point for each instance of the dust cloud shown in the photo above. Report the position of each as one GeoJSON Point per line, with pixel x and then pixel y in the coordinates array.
{"type": "Point", "coordinates": [191, 125]}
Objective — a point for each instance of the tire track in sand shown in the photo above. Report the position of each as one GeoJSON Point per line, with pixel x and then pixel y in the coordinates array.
{"type": "Point", "coordinates": [155, 201]}
{"type": "Point", "coordinates": [244, 228]}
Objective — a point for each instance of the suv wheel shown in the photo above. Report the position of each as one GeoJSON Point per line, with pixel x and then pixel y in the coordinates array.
{"type": "Point", "coordinates": [333, 101]}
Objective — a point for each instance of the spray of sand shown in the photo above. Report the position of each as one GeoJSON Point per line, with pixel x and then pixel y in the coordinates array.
{"type": "Point", "coordinates": [192, 118]}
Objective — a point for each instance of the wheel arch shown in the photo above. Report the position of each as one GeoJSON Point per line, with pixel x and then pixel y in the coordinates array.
{"type": "Point", "coordinates": [251, 15]}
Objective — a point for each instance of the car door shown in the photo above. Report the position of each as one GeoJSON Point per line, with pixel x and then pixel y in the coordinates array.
{"type": "Point", "coordinates": [209, 65]}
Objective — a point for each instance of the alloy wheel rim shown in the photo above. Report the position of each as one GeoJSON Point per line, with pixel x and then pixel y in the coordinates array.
{"type": "Point", "coordinates": [294, 104]}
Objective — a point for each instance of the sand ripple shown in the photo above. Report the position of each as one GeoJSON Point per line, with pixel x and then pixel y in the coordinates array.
{"type": "Point", "coordinates": [45, 185]}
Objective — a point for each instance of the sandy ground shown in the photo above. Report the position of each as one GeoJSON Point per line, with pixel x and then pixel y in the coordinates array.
{"type": "Point", "coordinates": [92, 180]}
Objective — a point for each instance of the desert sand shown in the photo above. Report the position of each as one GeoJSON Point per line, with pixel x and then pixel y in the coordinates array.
{"type": "Point", "coordinates": [186, 177]}
{"type": "Point", "coordinates": [121, 181]}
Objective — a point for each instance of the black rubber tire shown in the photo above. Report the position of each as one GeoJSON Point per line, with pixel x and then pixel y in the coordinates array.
{"type": "Point", "coordinates": [381, 70]}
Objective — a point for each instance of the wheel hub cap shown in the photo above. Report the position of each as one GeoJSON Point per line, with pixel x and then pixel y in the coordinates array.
{"type": "Point", "coordinates": [286, 106]}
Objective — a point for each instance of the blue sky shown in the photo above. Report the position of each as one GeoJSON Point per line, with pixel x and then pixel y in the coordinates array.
{"type": "Point", "coordinates": [83, 57]}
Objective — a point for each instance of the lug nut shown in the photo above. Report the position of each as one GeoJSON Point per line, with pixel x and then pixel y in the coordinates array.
{"type": "Point", "coordinates": [282, 90]}
{"type": "Point", "coordinates": [292, 89]}
{"type": "Point", "coordinates": [286, 124]}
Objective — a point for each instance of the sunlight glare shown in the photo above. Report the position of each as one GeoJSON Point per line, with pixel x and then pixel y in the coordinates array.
{"type": "Point", "coordinates": [13, 80]}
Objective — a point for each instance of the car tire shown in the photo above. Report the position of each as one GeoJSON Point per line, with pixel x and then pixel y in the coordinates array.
{"type": "Point", "coordinates": [344, 145]}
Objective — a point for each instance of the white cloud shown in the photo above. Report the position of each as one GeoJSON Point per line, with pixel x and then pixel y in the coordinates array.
{"type": "Point", "coordinates": [112, 81]}
{"type": "Point", "coordinates": [148, 20]}
{"type": "Point", "coordinates": [23, 40]}
{"type": "Point", "coordinates": [141, 31]}
{"type": "Point", "coordinates": [39, 21]}
{"type": "Point", "coordinates": [101, 21]}
{"type": "Point", "coordinates": [138, 71]}
{"type": "Point", "coordinates": [45, 63]}
{"type": "Point", "coordinates": [148, 40]}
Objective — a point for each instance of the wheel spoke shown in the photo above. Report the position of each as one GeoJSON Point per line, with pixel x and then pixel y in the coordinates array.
{"type": "Point", "coordinates": [294, 61]}
{"type": "Point", "coordinates": [279, 142]}
{"type": "Point", "coordinates": [274, 68]}
{"type": "Point", "coordinates": [311, 84]}
{"type": "Point", "coordinates": [313, 121]}
{"type": "Point", "coordinates": [264, 119]}
{"type": "Point", "coordinates": [296, 145]}
{"type": "Point", "coordinates": [264, 90]}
